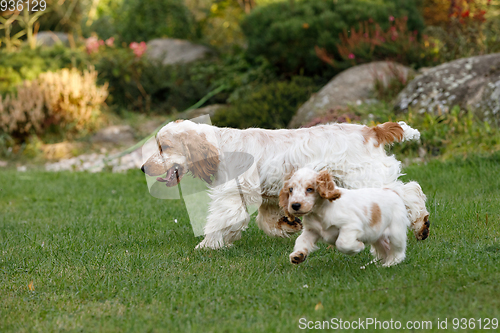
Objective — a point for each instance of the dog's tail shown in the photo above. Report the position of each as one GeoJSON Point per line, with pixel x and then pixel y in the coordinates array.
{"type": "Point", "coordinates": [414, 199]}
{"type": "Point", "coordinates": [393, 132]}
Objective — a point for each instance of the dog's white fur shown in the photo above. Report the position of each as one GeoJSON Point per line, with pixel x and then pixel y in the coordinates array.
{"type": "Point", "coordinates": [353, 154]}
{"type": "Point", "coordinates": [348, 219]}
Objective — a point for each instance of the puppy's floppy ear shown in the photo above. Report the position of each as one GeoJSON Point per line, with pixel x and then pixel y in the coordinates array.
{"type": "Point", "coordinates": [326, 187]}
{"type": "Point", "coordinates": [284, 194]}
{"type": "Point", "coordinates": [202, 156]}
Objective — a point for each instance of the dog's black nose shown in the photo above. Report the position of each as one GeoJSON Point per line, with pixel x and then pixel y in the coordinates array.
{"type": "Point", "coordinates": [143, 169]}
{"type": "Point", "coordinates": [296, 206]}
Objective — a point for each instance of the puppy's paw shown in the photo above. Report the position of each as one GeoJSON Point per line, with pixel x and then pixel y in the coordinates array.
{"type": "Point", "coordinates": [290, 227]}
{"type": "Point", "coordinates": [297, 257]}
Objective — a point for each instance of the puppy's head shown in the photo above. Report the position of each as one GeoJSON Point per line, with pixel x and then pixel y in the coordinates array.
{"type": "Point", "coordinates": [182, 148]}
{"type": "Point", "coordinates": [304, 188]}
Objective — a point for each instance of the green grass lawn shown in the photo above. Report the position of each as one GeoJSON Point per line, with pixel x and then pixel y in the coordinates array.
{"type": "Point", "coordinates": [105, 256]}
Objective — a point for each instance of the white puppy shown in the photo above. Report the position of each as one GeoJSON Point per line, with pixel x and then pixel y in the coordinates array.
{"type": "Point", "coordinates": [348, 219]}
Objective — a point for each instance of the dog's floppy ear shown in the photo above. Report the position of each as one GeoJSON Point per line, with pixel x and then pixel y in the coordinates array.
{"type": "Point", "coordinates": [202, 156]}
{"type": "Point", "coordinates": [326, 187]}
{"type": "Point", "coordinates": [284, 194]}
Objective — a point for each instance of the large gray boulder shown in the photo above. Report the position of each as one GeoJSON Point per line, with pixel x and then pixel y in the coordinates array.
{"type": "Point", "coordinates": [171, 51]}
{"type": "Point", "coordinates": [472, 83]}
{"type": "Point", "coordinates": [354, 85]}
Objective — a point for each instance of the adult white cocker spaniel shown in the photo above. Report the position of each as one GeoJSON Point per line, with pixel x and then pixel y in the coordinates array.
{"type": "Point", "coordinates": [348, 219]}
{"type": "Point", "coordinates": [353, 154]}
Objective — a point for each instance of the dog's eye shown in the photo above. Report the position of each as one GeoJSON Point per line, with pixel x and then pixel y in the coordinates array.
{"type": "Point", "coordinates": [310, 190]}
{"type": "Point", "coordinates": [291, 189]}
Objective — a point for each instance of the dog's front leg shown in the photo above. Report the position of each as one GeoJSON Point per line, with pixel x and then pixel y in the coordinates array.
{"type": "Point", "coordinates": [304, 245]}
{"type": "Point", "coordinates": [227, 218]}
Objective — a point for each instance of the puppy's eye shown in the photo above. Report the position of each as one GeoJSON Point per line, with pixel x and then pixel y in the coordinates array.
{"type": "Point", "coordinates": [310, 190]}
{"type": "Point", "coordinates": [291, 189]}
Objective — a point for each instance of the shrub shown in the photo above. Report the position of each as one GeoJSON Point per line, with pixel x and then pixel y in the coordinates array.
{"type": "Point", "coordinates": [27, 64]}
{"type": "Point", "coordinates": [269, 105]}
{"type": "Point", "coordinates": [146, 20]}
{"type": "Point", "coordinates": [219, 25]}
{"type": "Point", "coordinates": [67, 98]}
{"type": "Point", "coordinates": [142, 85]}
{"type": "Point", "coordinates": [286, 34]}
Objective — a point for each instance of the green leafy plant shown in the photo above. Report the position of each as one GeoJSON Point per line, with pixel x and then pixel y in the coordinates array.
{"type": "Point", "coordinates": [146, 20]}
{"type": "Point", "coordinates": [270, 105]}
{"type": "Point", "coordinates": [457, 133]}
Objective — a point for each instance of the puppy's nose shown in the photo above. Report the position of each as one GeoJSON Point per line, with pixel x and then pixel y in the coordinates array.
{"type": "Point", "coordinates": [143, 169]}
{"type": "Point", "coordinates": [296, 206]}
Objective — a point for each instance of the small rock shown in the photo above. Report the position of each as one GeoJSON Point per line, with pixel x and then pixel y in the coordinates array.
{"type": "Point", "coordinates": [50, 38]}
{"type": "Point", "coordinates": [97, 163]}
{"type": "Point", "coordinates": [3, 164]}
{"type": "Point", "coordinates": [118, 134]}
{"type": "Point", "coordinates": [172, 51]}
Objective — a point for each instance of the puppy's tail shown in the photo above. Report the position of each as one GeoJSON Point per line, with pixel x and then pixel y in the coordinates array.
{"type": "Point", "coordinates": [390, 132]}
{"type": "Point", "coordinates": [414, 200]}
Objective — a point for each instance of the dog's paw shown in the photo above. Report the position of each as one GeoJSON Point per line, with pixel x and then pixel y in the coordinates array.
{"type": "Point", "coordinates": [297, 257]}
{"type": "Point", "coordinates": [208, 244]}
{"type": "Point", "coordinates": [423, 232]}
{"type": "Point", "coordinates": [290, 227]}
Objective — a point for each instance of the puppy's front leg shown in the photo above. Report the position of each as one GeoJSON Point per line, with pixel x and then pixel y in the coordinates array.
{"type": "Point", "coordinates": [348, 242]}
{"type": "Point", "coordinates": [305, 244]}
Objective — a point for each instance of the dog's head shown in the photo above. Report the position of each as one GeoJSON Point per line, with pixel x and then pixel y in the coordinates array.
{"type": "Point", "coordinates": [303, 189]}
{"type": "Point", "coordinates": [183, 147]}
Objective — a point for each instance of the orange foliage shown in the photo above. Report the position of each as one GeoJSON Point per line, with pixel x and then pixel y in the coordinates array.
{"type": "Point", "coordinates": [442, 12]}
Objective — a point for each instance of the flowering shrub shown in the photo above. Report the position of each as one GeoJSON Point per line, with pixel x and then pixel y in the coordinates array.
{"type": "Point", "coordinates": [138, 48]}
{"type": "Point", "coordinates": [466, 31]}
{"type": "Point", "coordinates": [370, 42]}
{"type": "Point", "coordinates": [92, 44]}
